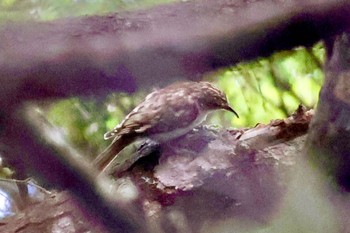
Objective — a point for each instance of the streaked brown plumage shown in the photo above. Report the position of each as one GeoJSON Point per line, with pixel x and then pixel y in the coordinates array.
{"type": "Point", "coordinates": [165, 114]}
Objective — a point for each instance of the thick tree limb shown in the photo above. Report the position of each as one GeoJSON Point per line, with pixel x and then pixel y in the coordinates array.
{"type": "Point", "coordinates": [206, 176]}
{"type": "Point", "coordinates": [124, 51]}
{"type": "Point", "coordinates": [210, 176]}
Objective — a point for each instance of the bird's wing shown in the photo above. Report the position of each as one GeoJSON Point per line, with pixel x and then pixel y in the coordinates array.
{"type": "Point", "coordinates": [178, 115]}
{"type": "Point", "coordinates": [157, 114]}
{"type": "Point", "coordinates": [136, 119]}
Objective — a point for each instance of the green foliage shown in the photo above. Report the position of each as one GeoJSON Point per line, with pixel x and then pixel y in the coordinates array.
{"type": "Point", "coordinates": [272, 87]}
{"type": "Point", "coordinates": [6, 173]}
{"type": "Point", "coordinates": [84, 122]}
{"type": "Point", "coordinates": [81, 123]}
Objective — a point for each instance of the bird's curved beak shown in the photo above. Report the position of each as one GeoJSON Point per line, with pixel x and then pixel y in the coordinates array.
{"type": "Point", "coordinates": [228, 108]}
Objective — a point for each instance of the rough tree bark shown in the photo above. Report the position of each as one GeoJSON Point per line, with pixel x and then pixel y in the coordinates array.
{"type": "Point", "coordinates": [206, 176]}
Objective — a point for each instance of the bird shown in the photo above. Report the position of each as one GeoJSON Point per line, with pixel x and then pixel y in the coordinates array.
{"type": "Point", "coordinates": [164, 115]}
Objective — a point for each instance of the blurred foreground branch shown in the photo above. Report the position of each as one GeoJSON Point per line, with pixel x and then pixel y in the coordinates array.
{"type": "Point", "coordinates": [128, 50]}
{"type": "Point", "coordinates": [42, 151]}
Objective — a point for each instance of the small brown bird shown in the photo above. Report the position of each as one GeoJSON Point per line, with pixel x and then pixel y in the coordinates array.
{"type": "Point", "coordinates": [165, 114]}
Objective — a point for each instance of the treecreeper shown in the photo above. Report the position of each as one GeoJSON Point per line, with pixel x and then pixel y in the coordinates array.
{"type": "Point", "coordinates": [165, 114]}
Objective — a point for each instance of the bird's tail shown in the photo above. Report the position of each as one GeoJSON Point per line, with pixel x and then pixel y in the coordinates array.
{"type": "Point", "coordinates": [106, 156]}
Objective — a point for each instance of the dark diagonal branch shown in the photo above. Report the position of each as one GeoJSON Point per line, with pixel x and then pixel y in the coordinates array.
{"type": "Point", "coordinates": [44, 152]}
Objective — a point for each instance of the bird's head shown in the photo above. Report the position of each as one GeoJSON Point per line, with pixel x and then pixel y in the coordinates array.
{"type": "Point", "coordinates": [210, 98]}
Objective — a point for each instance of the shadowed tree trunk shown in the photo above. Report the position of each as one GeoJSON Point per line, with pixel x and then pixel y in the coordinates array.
{"type": "Point", "coordinates": [329, 136]}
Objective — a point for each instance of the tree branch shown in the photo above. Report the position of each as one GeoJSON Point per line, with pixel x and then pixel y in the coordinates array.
{"type": "Point", "coordinates": [124, 51]}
